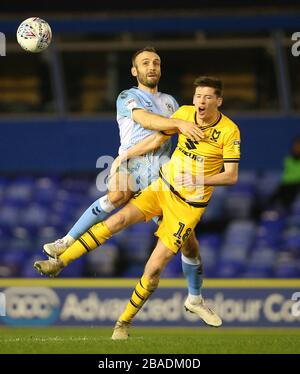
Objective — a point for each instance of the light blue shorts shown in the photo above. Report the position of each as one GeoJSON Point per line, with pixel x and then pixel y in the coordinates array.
{"type": "Point", "coordinates": [142, 173]}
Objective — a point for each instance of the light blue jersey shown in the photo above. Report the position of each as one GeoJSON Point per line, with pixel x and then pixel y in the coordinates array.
{"type": "Point", "coordinates": [145, 168]}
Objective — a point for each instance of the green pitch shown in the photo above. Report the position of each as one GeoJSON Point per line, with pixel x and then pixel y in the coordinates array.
{"type": "Point", "coordinates": [149, 340]}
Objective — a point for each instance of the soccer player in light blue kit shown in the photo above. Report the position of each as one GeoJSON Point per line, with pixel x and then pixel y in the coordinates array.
{"type": "Point", "coordinates": [142, 115]}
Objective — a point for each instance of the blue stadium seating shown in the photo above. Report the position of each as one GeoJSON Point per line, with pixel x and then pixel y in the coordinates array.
{"type": "Point", "coordinates": [103, 261]}
{"type": "Point", "coordinates": [37, 210]}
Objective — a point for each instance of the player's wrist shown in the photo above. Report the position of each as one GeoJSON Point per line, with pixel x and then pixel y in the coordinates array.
{"type": "Point", "coordinates": [176, 123]}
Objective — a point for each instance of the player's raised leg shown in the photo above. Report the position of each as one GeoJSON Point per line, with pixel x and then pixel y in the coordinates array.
{"type": "Point", "coordinates": [158, 260]}
{"type": "Point", "coordinates": [98, 211]}
{"type": "Point", "coordinates": [93, 238]}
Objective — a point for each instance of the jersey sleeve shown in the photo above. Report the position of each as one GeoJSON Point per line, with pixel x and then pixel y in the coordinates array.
{"type": "Point", "coordinates": [126, 102]}
{"type": "Point", "coordinates": [231, 146]}
{"type": "Point", "coordinates": [176, 105]}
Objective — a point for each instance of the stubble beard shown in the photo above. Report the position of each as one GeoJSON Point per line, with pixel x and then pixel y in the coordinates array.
{"type": "Point", "coordinates": [148, 83]}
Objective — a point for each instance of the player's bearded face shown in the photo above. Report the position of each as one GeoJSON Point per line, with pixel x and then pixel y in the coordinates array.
{"type": "Point", "coordinates": [147, 66]}
{"type": "Point", "coordinates": [148, 78]}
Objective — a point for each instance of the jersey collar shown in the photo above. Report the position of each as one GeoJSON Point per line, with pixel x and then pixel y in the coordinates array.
{"type": "Point", "coordinates": [210, 125]}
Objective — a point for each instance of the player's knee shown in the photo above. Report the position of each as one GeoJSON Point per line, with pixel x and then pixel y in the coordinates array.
{"type": "Point", "coordinates": [117, 198]}
{"type": "Point", "coordinates": [120, 221]}
{"type": "Point", "coordinates": [190, 251]}
{"type": "Point", "coordinates": [154, 274]}
{"type": "Point", "coordinates": [191, 247]}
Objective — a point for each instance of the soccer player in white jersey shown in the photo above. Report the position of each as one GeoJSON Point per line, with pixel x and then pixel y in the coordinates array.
{"type": "Point", "coordinates": [141, 112]}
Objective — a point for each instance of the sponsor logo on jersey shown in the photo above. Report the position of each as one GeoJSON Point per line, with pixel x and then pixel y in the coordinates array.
{"type": "Point", "coordinates": [123, 95]}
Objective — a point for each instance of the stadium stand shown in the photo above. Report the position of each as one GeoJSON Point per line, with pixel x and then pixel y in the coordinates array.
{"type": "Point", "coordinates": [36, 210]}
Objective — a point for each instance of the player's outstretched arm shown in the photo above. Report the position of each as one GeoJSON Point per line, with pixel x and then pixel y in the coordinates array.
{"type": "Point", "coordinates": [150, 143]}
{"type": "Point", "coordinates": [159, 123]}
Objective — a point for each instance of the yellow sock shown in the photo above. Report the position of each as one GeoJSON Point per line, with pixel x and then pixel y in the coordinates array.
{"type": "Point", "coordinates": [95, 236]}
{"type": "Point", "coordinates": [139, 296]}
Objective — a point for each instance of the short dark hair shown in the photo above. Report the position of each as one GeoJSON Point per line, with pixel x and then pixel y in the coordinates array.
{"type": "Point", "coordinates": [213, 82]}
{"type": "Point", "coordinates": [148, 48]}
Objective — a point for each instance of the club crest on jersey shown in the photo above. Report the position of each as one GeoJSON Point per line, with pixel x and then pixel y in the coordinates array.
{"type": "Point", "coordinates": [169, 107]}
{"type": "Point", "coordinates": [215, 135]}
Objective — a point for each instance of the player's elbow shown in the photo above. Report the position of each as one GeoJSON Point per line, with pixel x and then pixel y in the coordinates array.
{"type": "Point", "coordinates": [159, 140]}
{"type": "Point", "coordinates": [232, 179]}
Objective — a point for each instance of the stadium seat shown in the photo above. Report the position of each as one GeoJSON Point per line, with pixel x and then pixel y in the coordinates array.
{"type": "Point", "coordinates": [261, 271]}
{"type": "Point", "coordinates": [45, 191]}
{"type": "Point", "coordinates": [210, 259]}
{"type": "Point", "coordinates": [215, 208]}
{"type": "Point", "coordinates": [229, 268]}
{"type": "Point", "coordinates": [288, 270]}
{"type": "Point", "coordinates": [296, 205]}
{"type": "Point", "coordinates": [34, 216]}
{"type": "Point", "coordinates": [261, 262]}
{"type": "Point", "coordinates": [3, 184]}
{"type": "Point", "coordinates": [240, 233]}
{"type": "Point", "coordinates": [47, 234]}
{"type": "Point", "coordinates": [103, 261]}
{"type": "Point", "coordinates": [133, 271]}
{"type": "Point", "coordinates": [293, 220]}
{"type": "Point", "coordinates": [174, 268]}
{"type": "Point", "coordinates": [270, 228]}
{"type": "Point", "coordinates": [291, 238]}
{"type": "Point", "coordinates": [9, 216]}
{"type": "Point", "coordinates": [268, 183]}
{"type": "Point", "coordinates": [28, 271]}
{"type": "Point", "coordinates": [14, 260]}
{"type": "Point", "coordinates": [75, 270]}
{"type": "Point", "coordinates": [239, 202]}
{"type": "Point", "coordinates": [19, 192]}
{"type": "Point", "coordinates": [138, 242]}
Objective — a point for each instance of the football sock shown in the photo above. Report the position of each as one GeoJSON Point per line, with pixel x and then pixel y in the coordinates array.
{"type": "Point", "coordinates": [95, 236]}
{"type": "Point", "coordinates": [96, 212]}
{"type": "Point", "coordinates": [139, 296]}
{"type": "Point", "coordinates": [192, 269]}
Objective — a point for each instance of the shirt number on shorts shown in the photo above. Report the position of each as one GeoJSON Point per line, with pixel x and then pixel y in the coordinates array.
{"type": "Point", "coordinates": [180, 230]}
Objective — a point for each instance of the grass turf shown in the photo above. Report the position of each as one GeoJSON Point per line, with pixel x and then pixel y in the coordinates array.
{"type": "Point", "coordinates": [149, 340]}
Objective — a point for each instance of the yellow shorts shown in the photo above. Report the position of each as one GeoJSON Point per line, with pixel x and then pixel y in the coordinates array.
{"type": "Point", "coordinates": [179, 218]}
